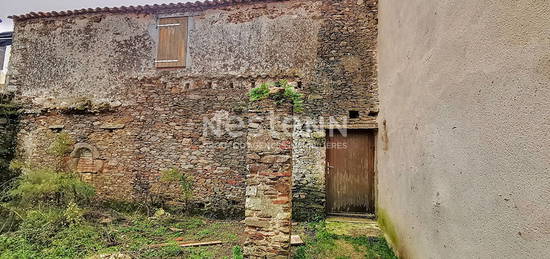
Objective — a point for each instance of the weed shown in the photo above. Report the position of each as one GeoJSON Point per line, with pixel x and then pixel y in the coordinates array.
{"type": "Point", "coordinates": [190, 222]}
{"type": "Point", "coordinates": [184, 181]}
{"type": "Point", "coordinates": [238, 252]}
{"type": "Point", "coordinates": [54, 220]}
{"type": "Point", "coordinates": [204, 233]}
{"type": "Point", "coordinates": [61, 145]}
{"type": "Point", "coordinates": [259, 93]}
{"type": "Point", "coordinates": [37, 187]}
{"type": "Point", "coordinates": [232, 237]}
{"type": "Point", "coordinates": [46, 234]}
{"type": "Point", "coordinates": [288, 93]}
{"type": "Point", "coordinates": [16, 246]}
{"type": "Point", "coordinates": [75, 241]}
{"type": "Point", "coordinates": [73, 214]}
{"type": "Point", "coordinates": [171, 251]}
{"type": "Point", "coordinates": [300, 253]}
{"type": "Point", "coordinates": [291, 94]}
{"type": "Point", "coordinates": [40, 226]}
{"type": "Point", "coordinates": [119, 206]}
{"type": "Point", "coordinates": [377, 247]}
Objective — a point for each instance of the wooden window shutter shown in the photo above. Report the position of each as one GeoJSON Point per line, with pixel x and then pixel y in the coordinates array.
{"type": "Point", "coordinates": [172, 43]}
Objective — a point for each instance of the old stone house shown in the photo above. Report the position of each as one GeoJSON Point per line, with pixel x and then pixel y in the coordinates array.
{"type": "Point", "coordinates": [129, 89]}
{"type": "Point", "coordinates": [461, 140]}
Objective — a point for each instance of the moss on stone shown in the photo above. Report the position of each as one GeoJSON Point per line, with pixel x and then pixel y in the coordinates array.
{"type": "Point", "coordinates": [388, 227]}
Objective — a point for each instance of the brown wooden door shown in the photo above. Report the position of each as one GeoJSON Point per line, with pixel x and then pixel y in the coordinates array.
{"type": "Point", "coordinates": [350, 172]}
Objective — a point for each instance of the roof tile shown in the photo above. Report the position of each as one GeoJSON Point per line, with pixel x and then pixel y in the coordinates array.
{"type": "Point", "coordinates": [138, 8]}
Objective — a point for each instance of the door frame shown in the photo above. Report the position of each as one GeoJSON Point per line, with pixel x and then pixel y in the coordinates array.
{"type": "Point", "coordinates": [374, 131]}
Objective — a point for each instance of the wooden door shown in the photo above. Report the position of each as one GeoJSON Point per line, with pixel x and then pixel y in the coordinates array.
{"type": "Point", "coordinates": [350, 172]}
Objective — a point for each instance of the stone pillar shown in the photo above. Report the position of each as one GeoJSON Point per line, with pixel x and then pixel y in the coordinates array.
{"type": "Point", "coordinates": [269, 180]}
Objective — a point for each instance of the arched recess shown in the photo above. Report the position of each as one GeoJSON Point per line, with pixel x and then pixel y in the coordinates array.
{"type": "Point", "coordinates": [84, 160]}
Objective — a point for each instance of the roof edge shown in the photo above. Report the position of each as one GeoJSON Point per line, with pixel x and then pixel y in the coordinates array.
{"type": "Point", "coordinates": [138, 8]}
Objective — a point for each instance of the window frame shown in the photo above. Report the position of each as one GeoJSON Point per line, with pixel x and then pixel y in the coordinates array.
{"type": "Point", "coordinates": [172, 44]}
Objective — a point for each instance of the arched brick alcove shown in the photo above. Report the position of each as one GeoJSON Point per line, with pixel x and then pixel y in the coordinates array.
{"type": "Point", "coordinates": [84, 160]}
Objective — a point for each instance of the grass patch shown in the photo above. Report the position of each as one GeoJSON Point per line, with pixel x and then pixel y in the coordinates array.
{"type": "Point", "coordinates": [45, 236]}
{"type": "Point", "coordinates": [48, 214]}
{"type": "Point", "coordinates": [320, 243]}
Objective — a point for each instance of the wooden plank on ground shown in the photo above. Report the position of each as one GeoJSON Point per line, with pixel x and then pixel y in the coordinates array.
{"type": "Point", "coordinates": [211, 243]}
{"type": "Point", "coordinates": [187, 244]}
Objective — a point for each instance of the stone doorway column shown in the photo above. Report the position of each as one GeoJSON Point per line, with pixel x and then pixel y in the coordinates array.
{"type": "Point", "coordinates": [269, 180]}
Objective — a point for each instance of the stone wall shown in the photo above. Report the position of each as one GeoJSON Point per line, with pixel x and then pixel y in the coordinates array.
{"type": "Point", "coordinates": [308, 188]}
{"type": "Point", "coordinates": [92, 76]}
{"type": "Point", "coordinates": [268, 191]}
{"type": "Point", "coordinates": [343, 81]}
{"type": "Point", "coordinates": [165, 129]}
{"type": "Point", "coordinates": [9, 121]}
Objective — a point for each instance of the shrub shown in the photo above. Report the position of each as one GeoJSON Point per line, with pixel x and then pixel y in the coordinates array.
{"type": "Point", "coordinates": [73, 215]}
{"type": "Point", "coordinates": [287, 93]}
{"type": "Point", "coordinates": [185, 182]}
{"type": "Point", "coordinates": [238, 252]}
{"type": "Point", "coordinates": [40, 226]}
{"type": "Point", "coordinates": [259, 93]}
{"type": "Point", "coordinates": [37, 187]}
{"type": "Point", "coordinates": [9, 113]}
{"type": "Point", "coordinates": [61, 145]}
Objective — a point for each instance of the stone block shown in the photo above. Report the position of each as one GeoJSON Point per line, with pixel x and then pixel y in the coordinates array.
{"type": "Point", "coordinates": [251, 190]}
{"type": "Point", "coordinates": [56, 127]}
{"type": "Point", "coordinates": [255, 222]}
{"type": "Point", "coordinates": [112, 126]}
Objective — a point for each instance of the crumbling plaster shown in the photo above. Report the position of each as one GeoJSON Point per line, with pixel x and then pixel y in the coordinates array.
{"type": "Point", "coordinates": [92, 56]}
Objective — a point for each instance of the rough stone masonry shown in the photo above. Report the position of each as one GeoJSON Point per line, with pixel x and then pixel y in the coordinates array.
{"type": "Point", "coordinates": [90, 76]}
{"type": "Point", "coordinates": [268, 192]}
